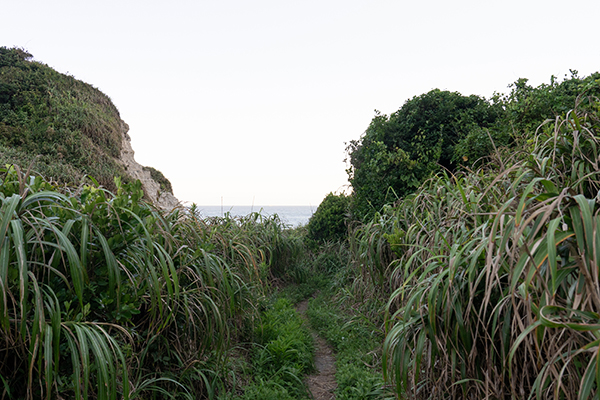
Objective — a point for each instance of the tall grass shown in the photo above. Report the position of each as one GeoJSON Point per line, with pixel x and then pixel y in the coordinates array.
{"type": "Point", "coordinates": [264, 244]}
{"type": "Point", "coordinates": [104, 296]}
{"type": "Point", "coordinates": [493, 290]}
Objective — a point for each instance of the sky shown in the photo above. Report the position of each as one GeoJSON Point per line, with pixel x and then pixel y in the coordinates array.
{"type": "Point", "coordinates": [252, 102]}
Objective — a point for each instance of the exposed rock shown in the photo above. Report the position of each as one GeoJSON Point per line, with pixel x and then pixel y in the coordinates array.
{"type": "Point", "coordinates": [152, 189]}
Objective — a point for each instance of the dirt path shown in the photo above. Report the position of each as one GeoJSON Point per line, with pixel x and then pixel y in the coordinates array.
{"type": "Point", "coordinates": [321, 384]}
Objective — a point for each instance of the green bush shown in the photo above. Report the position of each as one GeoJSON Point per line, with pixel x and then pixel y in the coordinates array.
{"type": "Point", "coordinates": [526, 107]}
{"type": "Point", "coordinates": [397, 152]}
{"type": "Point", "coordinates": [328, 223]}
{"type": "Point", "coordinates": [478, 145]}
{"type": "Point", "coordinates": [445, 130]}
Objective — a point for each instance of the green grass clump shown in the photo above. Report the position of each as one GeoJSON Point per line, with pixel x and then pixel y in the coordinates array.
{"type": "Point", "coordinates": [282, 354]}
{"type": "Point", "coordinates": [104, 296]}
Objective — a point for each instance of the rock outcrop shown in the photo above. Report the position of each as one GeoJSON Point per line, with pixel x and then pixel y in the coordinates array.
{"type": "Point", "coordinates": [152, 189]}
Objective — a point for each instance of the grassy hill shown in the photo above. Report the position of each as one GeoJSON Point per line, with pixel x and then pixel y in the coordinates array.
{"type": "Point", "coordinates": [63, 128]}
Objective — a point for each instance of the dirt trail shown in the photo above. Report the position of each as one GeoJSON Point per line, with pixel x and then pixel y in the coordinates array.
{"type": "Point", "coordinates": [322, 384]}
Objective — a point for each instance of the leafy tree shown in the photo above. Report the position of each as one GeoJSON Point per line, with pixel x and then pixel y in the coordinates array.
{"type": "Point", "coordinates": [329, 221]}
{"type": "Point", "coordinates": [523, 110]}
{"type": "Point", "coordinates": [526, 107]}
{"type": "Point", "coordinates": [398, 152]}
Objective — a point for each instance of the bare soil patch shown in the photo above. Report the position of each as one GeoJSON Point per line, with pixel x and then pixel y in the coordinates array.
{"type": "Point", "coordinates": [322, 384]}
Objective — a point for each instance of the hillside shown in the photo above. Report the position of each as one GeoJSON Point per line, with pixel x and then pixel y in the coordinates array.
{"type": "Point", "coordinates": [65, 129]}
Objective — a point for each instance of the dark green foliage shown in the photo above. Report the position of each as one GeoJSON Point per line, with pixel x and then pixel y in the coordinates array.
{"type": "Point", "coordinates": [436, 120]}
{"type": "Point", "coordinates": [398, 152]}
{"type": "Point", "coordinates": [522, 111]}
{"type": "Point", "coordinates": [328, 223]}
{"type": "Point", "coordinates": [475, 148]}
{"type": "Point", "coordinates": [527, 107]}
{"type": "Point", "coordinates": [443, 129]}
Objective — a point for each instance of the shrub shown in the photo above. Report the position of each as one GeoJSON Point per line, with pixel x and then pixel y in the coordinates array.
{"type": "Point", "coordinates": [399, 151]}
{"type": "Point", "coordinates": [329, 221]}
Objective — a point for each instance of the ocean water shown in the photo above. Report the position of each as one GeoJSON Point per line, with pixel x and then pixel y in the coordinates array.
{"type": "Point", "coordinates": [291, 215]}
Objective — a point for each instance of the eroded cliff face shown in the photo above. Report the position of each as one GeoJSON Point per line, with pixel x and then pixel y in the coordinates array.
{"type": "Point", "coordinates": [159, 197]}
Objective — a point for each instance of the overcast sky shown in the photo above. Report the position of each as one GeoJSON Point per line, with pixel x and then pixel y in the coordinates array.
{"type": "Point", "coordinates": [252, 101]}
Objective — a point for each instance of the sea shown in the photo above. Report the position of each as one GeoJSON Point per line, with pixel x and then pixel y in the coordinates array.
{"type": "Point", "coordinates": [293, 216]}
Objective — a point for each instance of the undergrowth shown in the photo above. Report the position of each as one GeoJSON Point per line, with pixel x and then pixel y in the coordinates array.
{"type": "Point", "coordinates": [282, 354]}
{"type": "Point", "coordinates": [103, 296]}
{"type": "Point", "coordinates": [491, 276]}
{"type": "Point", "coordinates": [357, 343]}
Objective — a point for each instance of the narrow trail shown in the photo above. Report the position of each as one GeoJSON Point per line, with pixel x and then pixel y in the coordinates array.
{"type": "Point", "coordinates": [322, 384]}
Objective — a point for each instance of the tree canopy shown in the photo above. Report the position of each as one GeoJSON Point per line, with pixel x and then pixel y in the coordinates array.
{"type": "Point", "coordinates": [399, 151]}
{"type": "Point", "coordinates": [445, 130]}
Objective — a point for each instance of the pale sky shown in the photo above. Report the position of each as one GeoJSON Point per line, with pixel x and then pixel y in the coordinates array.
{"type": "Point", "coordinates": [252, 102]}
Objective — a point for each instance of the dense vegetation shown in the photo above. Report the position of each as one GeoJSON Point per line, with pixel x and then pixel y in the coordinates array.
{"type": "Point", "coordinates": [398, 152]}
{"type": "Point", "coordinates": [463, 265]}
{"type": "Point", "coordinates": [443, 130]}
{"type": "Point", "coordinates": [491, 273]}
{"type": "Point", "coordinates": [104, 294]}
{"type": "Point", "coordinates": [64, 128]}
{"type": "Point", "coordinates": [495, 275]}
{"type": "Point", "coordinates": [328, 223]}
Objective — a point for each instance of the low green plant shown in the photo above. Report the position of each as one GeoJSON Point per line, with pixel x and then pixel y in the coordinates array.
{"type": "Point", "coordinates": [282, 355]}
